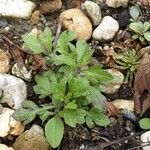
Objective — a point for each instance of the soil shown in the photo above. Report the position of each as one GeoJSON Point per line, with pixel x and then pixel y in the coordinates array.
{"type": "Point", "coordinates": [124, 133]}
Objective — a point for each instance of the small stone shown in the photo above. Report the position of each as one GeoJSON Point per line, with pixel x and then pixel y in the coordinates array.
{"type": "Point", "coordinates": [9, 125]}
{"type": "Point", "coordinates": [117, 3]}
{"type": "Point", "coordinates": [99, 2]}
{"type": "Point", "coordinates": [16, 8]}
{"type": "Point", "coordinates": [30, 140]}
{"type": "Point", "coordinates": [75, 20]}
{"type": "Point", "coordinates": [116, 83]}
{"type": "Point", "coordinates": [37, 129]}
{"type": "Point", "coordinates": [14, 90]}
{"type": "Point", "coordinates": [22, 72]}
{"type": "Point", "coordinates": [4, 62]}
{"type": "Point", "coordinates": [93, 11]}
{"type": "Point", "coordinates": [124, 104]}
{"type": "Point", "coordinates": [106, 30]}
{"type": "Point", "coordinates": [35, 17]}
{"type": "Point", "coordinates": [5, 147]}
{"type": "Point", "coordinates": [145, 138]}
{"type": "Point", "coordinates": [50, 6]}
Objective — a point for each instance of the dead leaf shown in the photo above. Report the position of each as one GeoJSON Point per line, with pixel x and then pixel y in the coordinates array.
{"type": "Point", "coordinates": [142, 86]}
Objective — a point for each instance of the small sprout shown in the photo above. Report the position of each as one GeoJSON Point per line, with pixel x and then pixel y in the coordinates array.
{"type": "Point", "coordinates": [128, 61]}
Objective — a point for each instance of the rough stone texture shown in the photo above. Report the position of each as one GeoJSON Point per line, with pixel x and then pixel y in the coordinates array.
{"type": "Point", "coordinates": [14, 90]}
{"type": "Point", "coordinates": [8, 125]}
{"type": "Point", "coordinates": [145, 139]}
{"type": "Point", "coordinates": [75, 20]}
{"type": "Point", "coordinates": [93, 11]}
{"type": "Point", "coordinates": [4, 147]}
{"type": "Point", "coordinates": [117, 3]}
{"type": "Point", "coordinates": [124, 104]}
{"type": "Point", "coordinates": [30, 140]}
{"type": "Point", "coordinates": [16, 8]}
{"type": "Point", "coordinates": [4, 62]}
{"type": "Point", "coordinates": [106, 30]}
{"type": "Point", "coordinates": [116, 82]}
{"type": "Point", "coordinates": [50, 6]}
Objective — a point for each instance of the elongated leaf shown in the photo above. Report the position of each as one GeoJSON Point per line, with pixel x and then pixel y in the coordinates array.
{"type": "Point", "coordinates": [147, 35]}
{"type": "Point", "coordinates": [64, 60]}
{"type": "Point", "coordinates": [97, 73]}
{"type": "Point", "coordinates": [73, 117]}
{"type": "Point", "coordinates": [137, 27]}
{"type": "Point", "coordinates": [134, 12]}
{"type": "Point", "coordinates": [33, 44]}
{"type": "Point", "coordinates": [146, 26]}
{"type": "Point", "coordinates": [54, 131]}
{"type": "Point", "coordinates": [46, 39]}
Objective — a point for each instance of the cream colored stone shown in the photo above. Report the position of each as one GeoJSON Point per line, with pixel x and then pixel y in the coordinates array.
{"type": "Point", "coordinates": [8, 125]}
{"type": "Point", "coordinates": [145, 138]}
{"type": "Point", "coordinates": [75, 20]}
{"type": "Point", "coordinates": [5, 147]}
{"type": "Point", "coordinates": [117, 3]}
{"type": "Point", "coordinates": [124, 104]}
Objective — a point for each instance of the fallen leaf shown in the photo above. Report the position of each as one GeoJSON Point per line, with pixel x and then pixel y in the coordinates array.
{"type": "Point", "coordinates": [142, 86]}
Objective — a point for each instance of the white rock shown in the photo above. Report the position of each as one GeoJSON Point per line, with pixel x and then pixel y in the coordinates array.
{"type": "Point", "coordinates": [117, 3]}
{"type": "Point", "coordinates": [145, 138]}
{"type": "Point", "coordinates": [93, 11]}
{"type": "Point", "coordinates": [16, 8]}
{"type": "Point", "coordinates": [106, 30]}
{"type": "Point", "coordinates": [8, 124]}
{"type": "Point", "coordinates": [22, 72]}
{"type": "Point", "coordinates": [37, 129]}
{"type": "Point", "coordinates": [14, 90]}
{"type": "Point", "coordinates": [124, 104]}
{"type": "Point", "coordinates": [5, 147]}
{"type": "Point", "coordinates": [116, 83]}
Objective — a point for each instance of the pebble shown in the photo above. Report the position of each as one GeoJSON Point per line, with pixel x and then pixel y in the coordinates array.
{"type": "Point", "coordinates": [145, 139]}
{"type": "Point", "coordinates": [4, 62]}
{"type": "Point", "coordinates": [116, 83]}
{"type": "Point", "coordinates": [16, 8]}
{"type": "Point", "coordinates": [5, 147]}
{"type": "Point", "coordinates": [30, 140]}
{"type": "Point", "coordinates": [9, 125]}
{"type": "Point", "coordinates": [75, 20]}
{"type": "Point", "coordinates": [93, 11]}
{"type": "Point", "coordinates": [50, 6]}
{"type": "Point", "coordinates": [22, 72]}
{"type": "Point", "coordinates": [124, 104]}
{"type": "Point", "coordinates": [106, 30]}
{"type": "Point", "coordinates": [117, 3]}
{"type": "Point", "coordinates": [14, 90]}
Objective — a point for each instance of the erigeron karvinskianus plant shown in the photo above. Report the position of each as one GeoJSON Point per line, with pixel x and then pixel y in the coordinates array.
{"type": "Point", "coordinates": [129, 61]}
{"type": "Point", "coordinates": [73, 86]}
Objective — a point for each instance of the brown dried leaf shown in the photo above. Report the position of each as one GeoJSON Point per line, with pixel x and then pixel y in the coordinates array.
{"type": "Point", "coordinates": [142, 86]}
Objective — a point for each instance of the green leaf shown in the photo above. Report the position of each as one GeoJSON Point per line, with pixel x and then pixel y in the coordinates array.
{"type": "Point", "coordinates": [145, 123]}
{"type": "Point", "coordinates": [134, 37]}
{"type": "Point", "coordinates": [147, 35]}
{"type": "Point", "coordinates": [29, 105]}
{"type": "Point", "coordinates": [134, 12]}
{"type": "Point", "coordinates": [146, 26]}
{"type": "Point", "coordinates": [78, 87]}
{"type": "Point", "coordinates": [64, 40]}
{"type": "Point", "coordinates": [33, 44]}
{"type": "Point", "coordinates": [24, 115]}
{"type": "Point", "coordinates": [46, 39]}
{"type": "Point", "coordinates": [95, 97]}
{"type": "Point", "coordinates": [64, 60]}
{"type": "Point", "coordinates": [44, 115]}
{"type": "Point", "coordinates": [73, 117]}
{"type": "Point", "coordinates": [97, 73]}
{"type": "Point", "coordinates": [89, 122]}
{"type": "Point", "coordinates": [98, 117]}
{"type": "Point", "coordinates": [71, 105]}
{"type": "Point", "coordinates": [137, 27]}
{"type": "Point", "coordinates": [54, 131]}
{"type": "Point", "coordinates": [43, 86]}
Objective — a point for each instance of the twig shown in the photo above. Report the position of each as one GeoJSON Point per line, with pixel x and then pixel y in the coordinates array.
{"type": "Point", "coordinates": [57, 34]}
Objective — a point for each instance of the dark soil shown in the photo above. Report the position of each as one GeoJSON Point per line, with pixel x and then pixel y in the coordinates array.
{"type": "Point", "coordinates": [124, 133]}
